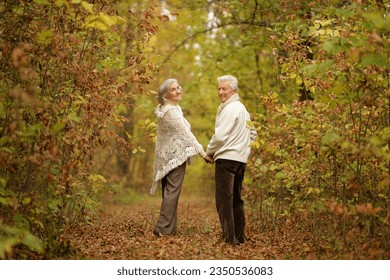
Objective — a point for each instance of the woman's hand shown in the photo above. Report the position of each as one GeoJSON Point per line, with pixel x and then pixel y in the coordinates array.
{"type": "Point", "coordinates": [209, 159]}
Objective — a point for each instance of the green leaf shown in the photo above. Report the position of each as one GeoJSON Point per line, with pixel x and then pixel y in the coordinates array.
{"type": "Point", "coordinates": [321, 68]}
{"type": "Point", "coordinates": [120, 20]}
{"type": "Point", "coordinates": [378, 21]}
{"type": "Point", "coordinates": [58, 126]}
{"type": "Point", "coordinates": [325, 22]}
{"type": "Point", "coordinates": [4, 201]}
{"type": "Point", "coordinates": [329, 47]}
{"type": "Point", "coordinates": [7, 149]}
{"type": "Point", "coordinates": [121, 109]}
{"type": "Point", "coordinates": [99, 67]}
{"type": "Point", "coordinates": [87, 6]}
{"type": "Point", "coordinates": [32, 130]}
{"type": "Point", "coordinates": [107, 19]}
{"type": "Point", "coordinates": [376, 59]}
{"type": "Point", "coordinates": [45, 37]}
{"type": "Point", "coordinates": [3, 182]}
{"type": "Point", "coordinates": [330, 137]}
{"type": "Point", "coordinates": [345, 13]}
{"type": "Point", "coordinates": [12, 236]}
{"type": "Point", "coordinates": [256, 145]}
{"type": "Point", "coordinates": [53, 204]}
{"type": "Point", "coordinates": [26, 200]}
{"type": "Point", "coordinates": [94, 21]}
{"type": "Point", "coordinates": [3, 140]}
{"type": "Point", "coordinates": [42, 2]}
{"type": "Point", "coordinates": [298, 80]}
{"type": "Point", "coordinates": [21, 221]}
{"type": "Point", "coordinates": [59, 3]}
{"type": "Point", "coordinates": [148, 50]}
{"type": "Point", "coordinates": [31, 241]}
{"type": "Point", "coordinates": [2, 111]}
{"type": "Point", "coordinates": [103, 21]}
{"type": "Point", "coordinates": [340, 89]}
{"type": "Point", "coordinates": [73, 117]}
{"type": "Point", "coordinates": [97, 178]}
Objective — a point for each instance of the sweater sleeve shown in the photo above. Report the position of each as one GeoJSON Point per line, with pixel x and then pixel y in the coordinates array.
{"type": "Point", "coordinates": [224, 125]}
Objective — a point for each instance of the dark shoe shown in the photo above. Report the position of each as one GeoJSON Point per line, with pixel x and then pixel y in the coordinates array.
{"type": "Point", "coordinates": [241, 240]}
{"type": "Point", "coordinates": [236, 242]}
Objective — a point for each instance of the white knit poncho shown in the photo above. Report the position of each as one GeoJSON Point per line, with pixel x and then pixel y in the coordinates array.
{"type": "Point", "coordinates": [175, 142]}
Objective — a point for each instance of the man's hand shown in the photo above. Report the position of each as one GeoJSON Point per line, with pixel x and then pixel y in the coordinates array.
{"type": "Point", "coordinates": [208, 159]}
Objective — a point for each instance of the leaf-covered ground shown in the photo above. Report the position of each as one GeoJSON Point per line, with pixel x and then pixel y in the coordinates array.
{"type": "Point", "coordinates": [124, 231]}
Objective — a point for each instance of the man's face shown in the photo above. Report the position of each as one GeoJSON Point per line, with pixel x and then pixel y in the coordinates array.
{"type": "Point", "coordinates": [225, 91]}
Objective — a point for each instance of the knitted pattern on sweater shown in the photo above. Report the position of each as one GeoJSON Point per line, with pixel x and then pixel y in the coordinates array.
{"type": "Point", "coordinates": [175, 142]}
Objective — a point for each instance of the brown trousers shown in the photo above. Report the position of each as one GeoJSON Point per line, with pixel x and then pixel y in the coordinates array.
{"type": "Point", "coordinates": [171, 188]}
{"type": "Point", "coordinates": [229, 175]}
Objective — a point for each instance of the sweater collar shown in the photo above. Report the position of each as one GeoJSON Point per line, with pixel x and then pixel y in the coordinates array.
{"type": "Point", "coordinates": [171, 102]}
{"type": "Point", "coordinates": [233, 98]}
{"type": "Point", "coordinates": [163, 108]}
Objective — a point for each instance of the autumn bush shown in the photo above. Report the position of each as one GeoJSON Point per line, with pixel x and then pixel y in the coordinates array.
{"type": "Point", "coordinates": [322, 162]}
{"type": "Point", "coordinates": [65, 68]}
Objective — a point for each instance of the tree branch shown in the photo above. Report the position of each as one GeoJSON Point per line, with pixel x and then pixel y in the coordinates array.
{"type": "Point", "coordinates": [189, 38]}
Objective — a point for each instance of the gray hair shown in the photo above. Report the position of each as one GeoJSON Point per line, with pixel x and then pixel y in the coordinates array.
{"type": "Point", "coordinates": [163, 91]}
{"type": "Point", "coordinates": [231, 79]}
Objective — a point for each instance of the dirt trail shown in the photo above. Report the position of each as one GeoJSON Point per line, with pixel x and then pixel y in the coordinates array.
{"type": "Point", "coordinates": [125, 232]}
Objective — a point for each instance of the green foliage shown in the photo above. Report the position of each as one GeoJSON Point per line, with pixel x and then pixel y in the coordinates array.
{"type": "Point", "coordinates": [65, 68]}
{"type": "Point", "coordinates": [13, 236]}
{"type": "Point", "coordinates": [328, 158]}
{"type": "Point", "coordinates": [314, 75]}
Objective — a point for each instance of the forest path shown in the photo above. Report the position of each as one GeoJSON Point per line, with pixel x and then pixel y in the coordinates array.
{"type": "Point", "coordinates": [122, 231]}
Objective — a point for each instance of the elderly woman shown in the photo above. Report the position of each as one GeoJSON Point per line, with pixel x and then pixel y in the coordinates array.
{"type": "Point", "coordinates": [174, 148]}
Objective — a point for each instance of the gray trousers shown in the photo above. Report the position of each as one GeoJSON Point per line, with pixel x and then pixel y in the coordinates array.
{"type": "Point", "coordinates": [171, 188]}
{"type": "Point", "coordinates": [229, 175]}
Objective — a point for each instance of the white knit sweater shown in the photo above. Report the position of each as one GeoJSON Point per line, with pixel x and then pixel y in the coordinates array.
{"type": "Point", "coordinates": [233, 132]}
{"type": "Point", "coordinates": [175, 142]}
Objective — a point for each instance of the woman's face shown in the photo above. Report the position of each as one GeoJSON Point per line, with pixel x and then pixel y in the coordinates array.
{"type": "Point", "coordinates": [174, 92]}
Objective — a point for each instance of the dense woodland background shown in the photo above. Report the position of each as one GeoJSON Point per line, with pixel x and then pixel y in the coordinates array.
{"type": "Point", "coordinates": [77, 95]}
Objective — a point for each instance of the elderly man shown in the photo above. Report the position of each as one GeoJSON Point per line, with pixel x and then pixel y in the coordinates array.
{"type": "Point", "coordinates": [230, 149]}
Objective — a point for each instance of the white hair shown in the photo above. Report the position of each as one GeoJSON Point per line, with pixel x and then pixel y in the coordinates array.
{"type": "Point", "coordinates": [231, 79]}
{"type": "Point", "coordinates": [163, 91]}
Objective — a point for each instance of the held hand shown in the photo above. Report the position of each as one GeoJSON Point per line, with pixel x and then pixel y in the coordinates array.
{"type": "Point", "coordinates": [209, 159]}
